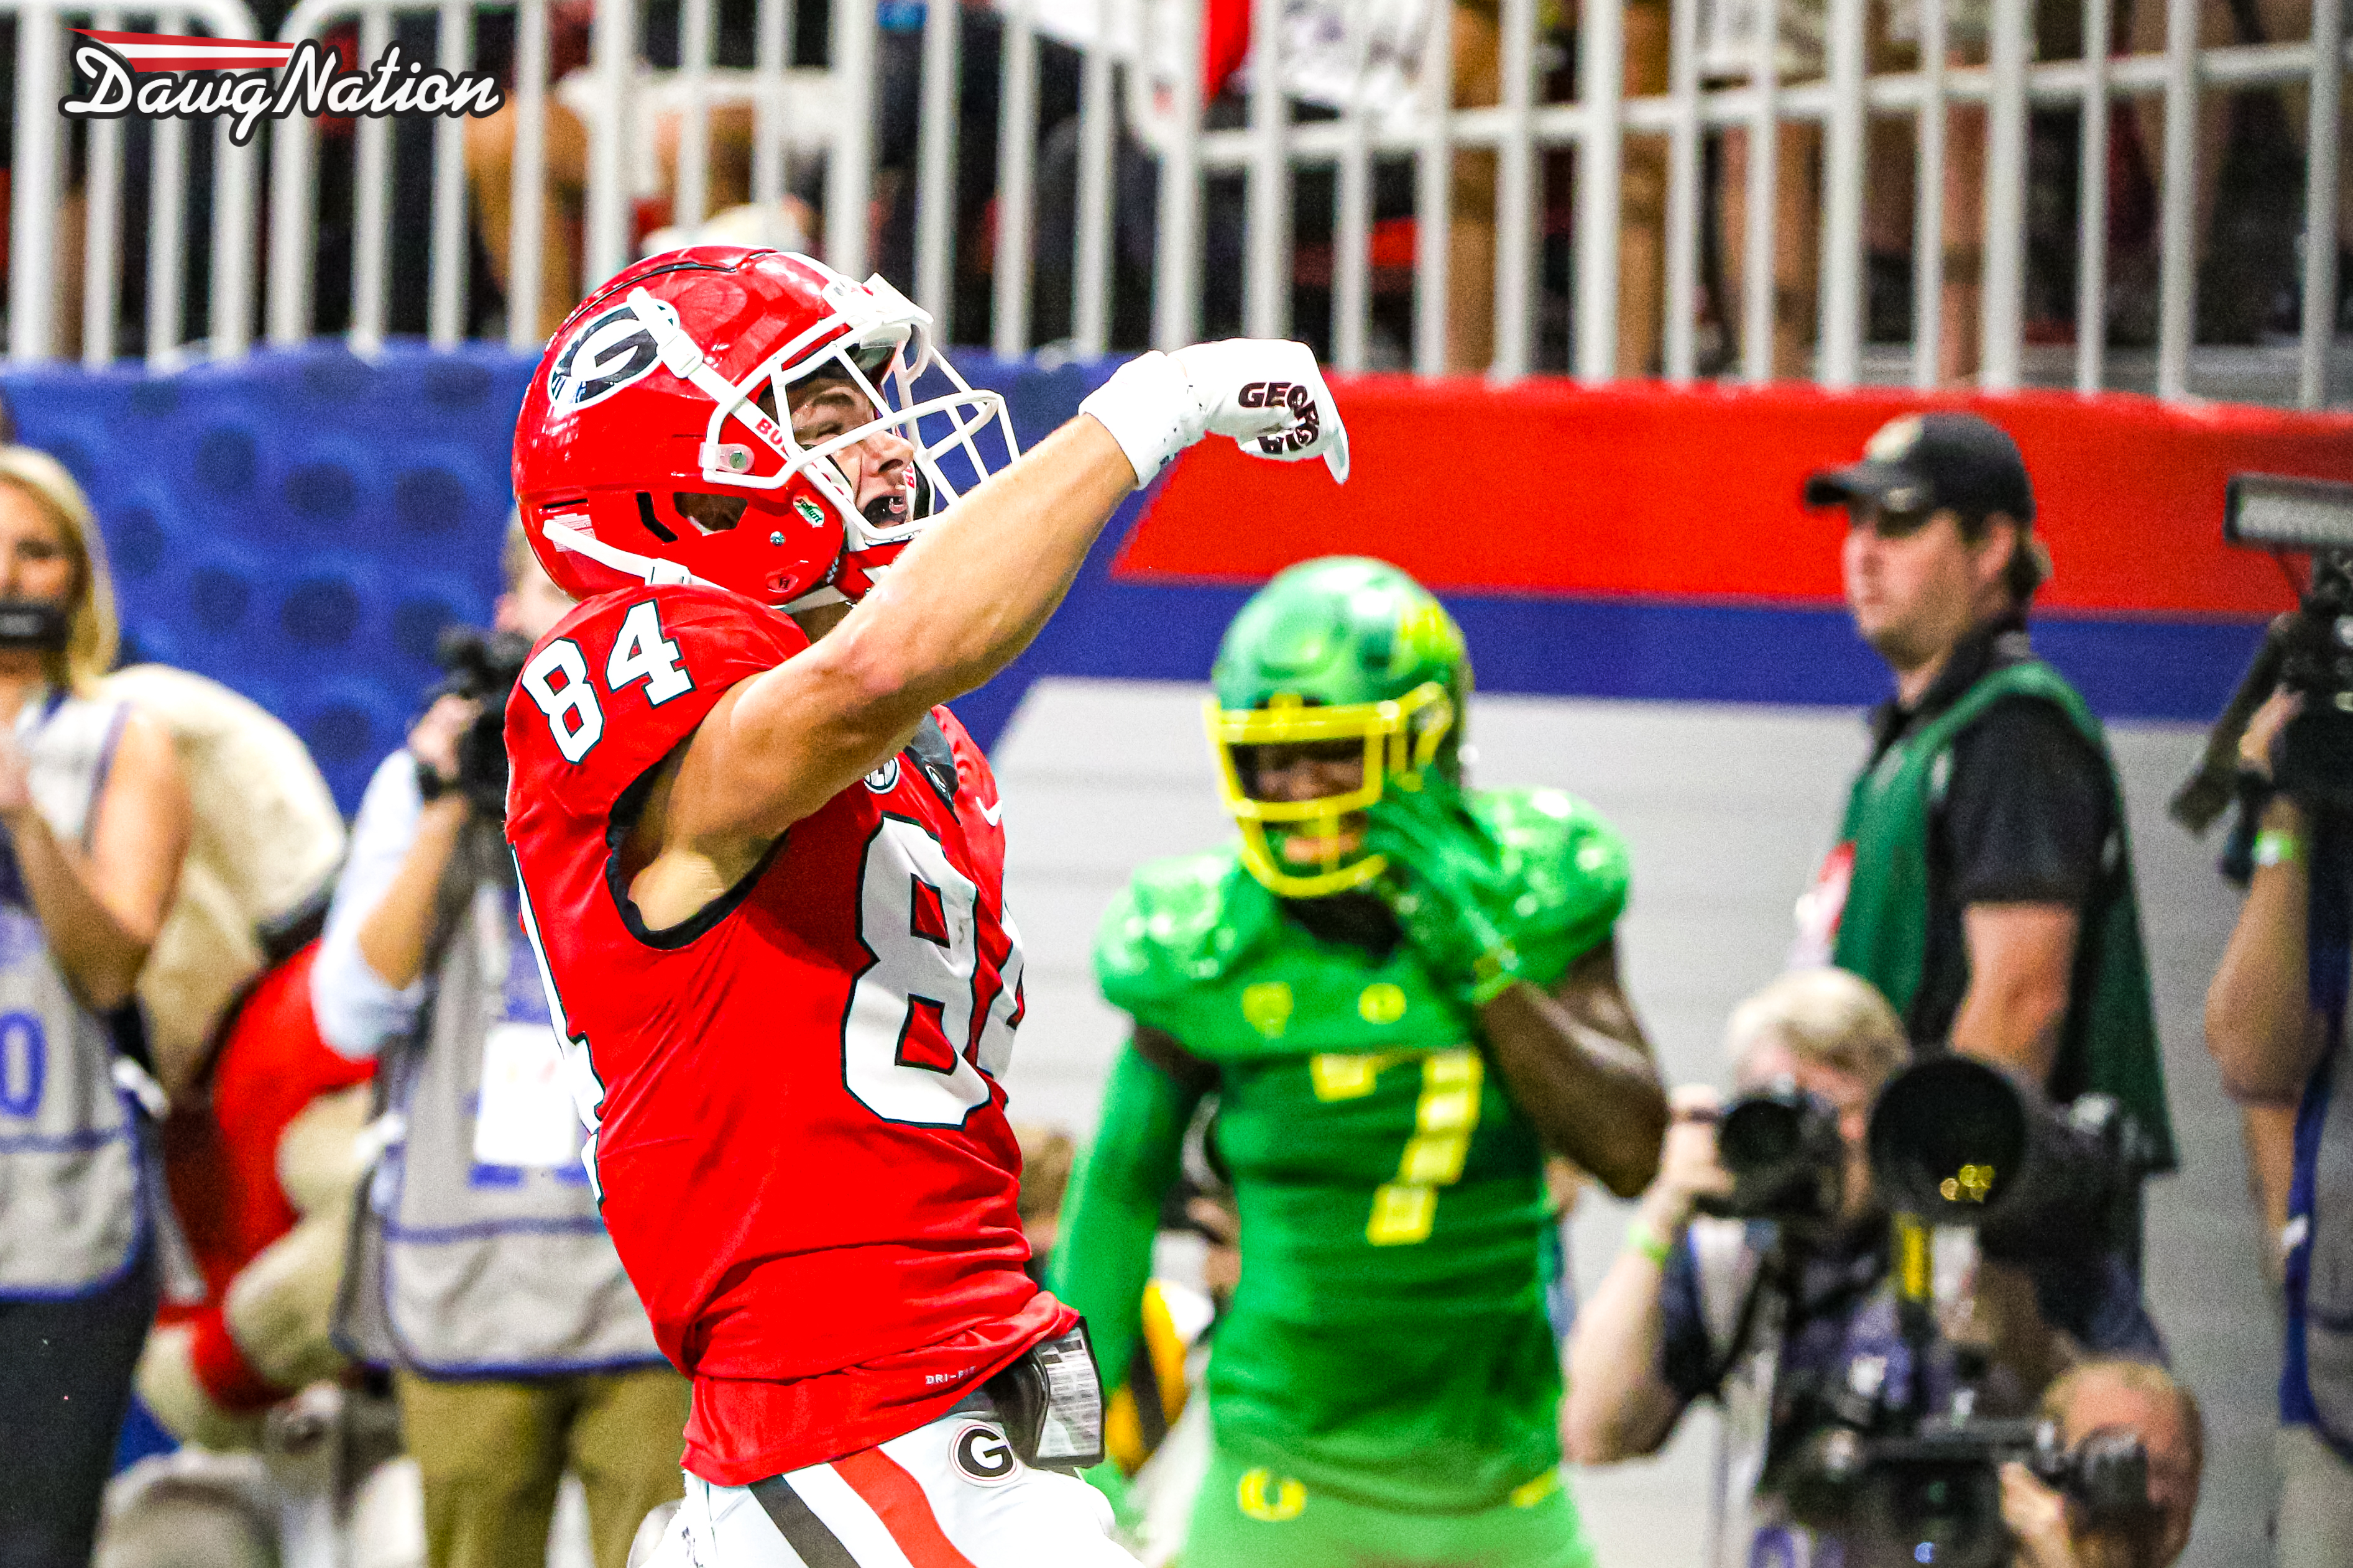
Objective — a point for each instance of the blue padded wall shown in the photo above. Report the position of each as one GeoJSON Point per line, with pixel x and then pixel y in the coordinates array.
{"type": "Point", "coordinates": [300, 526]}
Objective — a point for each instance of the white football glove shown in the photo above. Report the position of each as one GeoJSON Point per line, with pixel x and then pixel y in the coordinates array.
{"type": "Point", "coordinates": [1266, 395]}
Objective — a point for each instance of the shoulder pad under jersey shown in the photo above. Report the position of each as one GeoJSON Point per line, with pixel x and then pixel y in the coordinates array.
{"type": "Point", "coordinates": [1572, 864]}
{"type": "Point", "coordinates": [1178, 924]}
{"type": "Point", "coordinates": [616, 684]}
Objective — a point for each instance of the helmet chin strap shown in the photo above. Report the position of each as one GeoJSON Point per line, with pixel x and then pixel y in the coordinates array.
{"type": "Point", "coordinates": [660, 573]}
{"type": "Point", "coordinates": [646, 569]}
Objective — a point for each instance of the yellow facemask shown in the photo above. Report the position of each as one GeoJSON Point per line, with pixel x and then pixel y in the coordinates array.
{"type": "Point", "coordinates": [1401, 738]}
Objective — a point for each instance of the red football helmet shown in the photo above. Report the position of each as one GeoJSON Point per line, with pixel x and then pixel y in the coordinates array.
{"type": "Point", "coordinates": [650, 396]}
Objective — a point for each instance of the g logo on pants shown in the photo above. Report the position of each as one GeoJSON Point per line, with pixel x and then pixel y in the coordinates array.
{"type": "Point", "coordinates": [983, 1455]}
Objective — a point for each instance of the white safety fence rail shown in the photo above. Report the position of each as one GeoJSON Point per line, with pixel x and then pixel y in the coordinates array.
{"type": "Point", "coordinates": [42, 79]}
{"type": "Point", "coordinates": [1140, 71]}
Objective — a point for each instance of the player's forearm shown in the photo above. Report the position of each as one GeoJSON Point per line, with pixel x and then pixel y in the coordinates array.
{"type": "Point", "coordinates": [960, 604]}
{"type": "Point", "coordinates": [1592, 1095]}
{"type": "Point", "coordinates": [974, 590]}
{"type": "Point", "coordinates": [2259, 1020]}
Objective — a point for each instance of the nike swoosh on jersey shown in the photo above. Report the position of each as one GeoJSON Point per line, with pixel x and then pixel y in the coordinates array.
{"type": "Point", "coordinates": [991, 813]}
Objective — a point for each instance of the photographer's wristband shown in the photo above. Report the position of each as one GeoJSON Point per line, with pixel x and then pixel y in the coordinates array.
{"type": "Point", "coordinates": [1643, 1237]}
{"type": "Point", "coordinates": [2277, 846]}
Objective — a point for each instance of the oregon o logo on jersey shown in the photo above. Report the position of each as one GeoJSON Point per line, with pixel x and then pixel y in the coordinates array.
{"type": "Point", "coordinates": [984, 1456]}
{"type": "Point", "coordinates": [1380, 1003]}
{"type": "Point", "coordinates": [1283, 1500]}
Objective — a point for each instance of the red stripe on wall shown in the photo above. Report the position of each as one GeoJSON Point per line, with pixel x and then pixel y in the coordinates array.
{"type": "Point", "coordinates": [1692, 492]}
{"type": "Point", "coordinates": [898, 1499]}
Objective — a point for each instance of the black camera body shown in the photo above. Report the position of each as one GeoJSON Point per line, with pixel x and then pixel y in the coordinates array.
{"type": "Point", "coordinates": [1934, 1494]}
{"type": "Point", "coordinates": [1952, 1140]}
{"type": "Point", "coordinates": [2315, 661]}
{"type": "Point", "coordinates": [483, 667]}
{"type": "Point", "coordinates": [1781, 1147]}
{"type": "Point", "coordinates": [2308, 651]}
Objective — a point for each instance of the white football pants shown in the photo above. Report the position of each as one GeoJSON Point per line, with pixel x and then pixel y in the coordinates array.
{"type": "Point", "coordinates": [949, 1495]}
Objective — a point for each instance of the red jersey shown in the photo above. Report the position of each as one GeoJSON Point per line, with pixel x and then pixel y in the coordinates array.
{"type": "Point", "coordinates": [796, 1129]}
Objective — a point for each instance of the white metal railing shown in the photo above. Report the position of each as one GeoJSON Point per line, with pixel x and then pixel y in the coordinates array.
{"type": "Point", "coordinates": [1140, 71]}
{"type": "Point", "coordinates": [44, 71]}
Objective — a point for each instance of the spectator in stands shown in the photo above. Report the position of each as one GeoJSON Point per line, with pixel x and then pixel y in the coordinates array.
{"type": "Point", "coordinates": [1728, 57]}
{"type": "Point", "coordinates": [2239, 282]}
{"type": "Point", "coordinates": [483, 1275]}
{"type": "Point", "coordinates": [96, 820]}
{"type": "Point", "coordinates": [2275, 1022]}
{"type": "Point", "coordinates": [2115, 1395]}
{"type": "Point", "coordinates": [490, 173]}
{"type": "Point", "coordinates": [1982, 878]}
{"type": "Point", "coordinates": [1676, 1317]}
{"type": "Point", "coordinates": [652, 143]}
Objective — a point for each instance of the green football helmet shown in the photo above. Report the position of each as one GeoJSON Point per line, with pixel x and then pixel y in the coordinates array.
{"type": "Point", "coordinates": [1337, 661]}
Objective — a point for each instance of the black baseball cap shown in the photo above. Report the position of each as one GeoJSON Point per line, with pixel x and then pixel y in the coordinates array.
{"type": "Point", "coordinates": [1923, 463]}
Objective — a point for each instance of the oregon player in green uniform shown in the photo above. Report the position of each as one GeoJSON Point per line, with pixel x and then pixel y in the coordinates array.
{"type": "Point", "coordinates": [1401, 992]}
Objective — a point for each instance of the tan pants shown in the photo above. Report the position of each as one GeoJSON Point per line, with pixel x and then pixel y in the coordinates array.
{"type": "Point", "coordinates": [492, 1454]}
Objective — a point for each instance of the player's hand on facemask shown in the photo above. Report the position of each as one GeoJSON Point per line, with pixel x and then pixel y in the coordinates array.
{"type": "Point", "coordinates": [1452, 887]}
{"type": "Point", "coordinates": [1265, 395]}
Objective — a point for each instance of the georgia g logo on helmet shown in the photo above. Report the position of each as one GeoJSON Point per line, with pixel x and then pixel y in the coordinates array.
{"type": "Point", "coordinates": [610, 352]}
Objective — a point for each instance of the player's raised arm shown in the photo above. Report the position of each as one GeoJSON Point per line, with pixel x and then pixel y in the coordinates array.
{"type": "Point", "coordinates": [755, 422]}
{"type": "Point", "coordinates": [977, 587]}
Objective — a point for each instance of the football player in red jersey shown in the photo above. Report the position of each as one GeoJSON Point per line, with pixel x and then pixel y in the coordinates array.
{"type": "Point", "coordinates": [763, 869]}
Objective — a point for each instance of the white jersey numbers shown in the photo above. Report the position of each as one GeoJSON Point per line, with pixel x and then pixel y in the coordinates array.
{"type": "Point", "coordinates": [910, 1015]}
{"type": "Point", "coordinates": [642, 653]}
{"type": "Point", "coordinates": [557, 678]}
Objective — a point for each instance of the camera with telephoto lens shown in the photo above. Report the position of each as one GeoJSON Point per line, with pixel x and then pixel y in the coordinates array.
{"type": "Point", "coordinates": [1954, 1141]}
{"type": "Point", "coordinates": [483, 667]}
{"type": "Point", "coordinates": [2308, 651]}
{"type": "Point", "coordinates": [1934, 1494]}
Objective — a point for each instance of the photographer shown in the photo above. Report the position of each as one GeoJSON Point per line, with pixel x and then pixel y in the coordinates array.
{"type": "Point", "coordinates": [2113, 1397]}
{"type": "Point", "coordinates": [1982, 879]}
{"type": "Point", "coordinates": [1722, 1309]}
{"type": "Point", "coordinates": [94, 822]}
{"type": "Point", "coordinates": [479, 1268]}
{"type": "Point", "coordinates": [2275, 1022]}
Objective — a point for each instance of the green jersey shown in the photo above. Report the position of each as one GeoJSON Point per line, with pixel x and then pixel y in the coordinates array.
{"type": "Point", "coordinates": [1388, 1340]}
